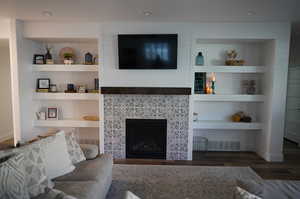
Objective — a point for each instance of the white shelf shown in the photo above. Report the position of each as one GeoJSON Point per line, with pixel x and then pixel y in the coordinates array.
{"type": "Point", "coordinates": [226, 125]}
{"type": "Point", "coordinates": [65, 68]}
{"type": "Point", "coordinates": [66, 123]}
{"type": "Point", "coordinates": [228, 98]}
{"type": "Point", "coordinates": [230, 69]}
{"type": "Point", "coordinates": [66, 96]}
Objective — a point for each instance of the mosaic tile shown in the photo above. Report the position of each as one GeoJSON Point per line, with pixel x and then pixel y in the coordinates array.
{"type": "Point", "coordinates": [171, 107]}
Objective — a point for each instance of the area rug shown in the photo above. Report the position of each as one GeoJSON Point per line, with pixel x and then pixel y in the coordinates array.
{"type": "Point", "coordinates": [177, 182]}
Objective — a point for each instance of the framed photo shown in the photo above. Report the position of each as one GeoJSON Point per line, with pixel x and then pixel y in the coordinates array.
{"type": "Point", "coordinates": [52, 113]}
{"type": "Point", "coordinates": [43, 83]}
{"type": "Point", "coordinates": [38, 59]}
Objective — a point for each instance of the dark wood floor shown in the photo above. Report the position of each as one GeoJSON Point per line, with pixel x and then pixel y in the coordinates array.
{"type": "Point", "coordinates": [287, 170]}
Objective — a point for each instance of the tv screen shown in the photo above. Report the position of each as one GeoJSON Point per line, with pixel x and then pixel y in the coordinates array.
{"type": "Point", "coordinates": [147, 51]}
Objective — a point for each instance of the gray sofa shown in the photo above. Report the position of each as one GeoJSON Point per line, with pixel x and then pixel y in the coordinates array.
{"type": "Point", "coordinates": [90, 180]}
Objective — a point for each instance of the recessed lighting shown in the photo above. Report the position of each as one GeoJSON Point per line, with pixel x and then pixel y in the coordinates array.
{"type": "Point", "coordinates": [147, 13]}
{"type": "Point", "coordinates": [47, 13]}
{"type": "Point", "coordinates": [251, 13]}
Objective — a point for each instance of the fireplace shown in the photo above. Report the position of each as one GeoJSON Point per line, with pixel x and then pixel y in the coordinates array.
{"type": "Point", "coordinates": [146, 138]}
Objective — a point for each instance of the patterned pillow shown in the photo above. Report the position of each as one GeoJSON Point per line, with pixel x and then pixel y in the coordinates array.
{"type": "Point", "coordinates": [54, 194]}
{"type": "Point", "coordinates": [34, 163]}
{"type": "Point", "coordinates": [243, 194]}
{"type": "Point", "coordinates": [74, 150]}
{"type": "Point", "coordinates": [13, 178]}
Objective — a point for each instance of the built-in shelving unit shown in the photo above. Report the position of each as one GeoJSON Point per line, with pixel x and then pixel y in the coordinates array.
{"type": "Point", "coordinates": [66, 96]}
{"type": "Point", "coordinates": [65, 68]}
{"type": "Point", "coordinates": [214, 111]}
{"type": "Point", "coordinates": [230, 69]}
{"type": "Point", "coordinates": [228, 98]}
{"type": "Point", "coordinates": [71, 106]}
{"type": "Point", "coordinates": [227, 125]}
{"type": "Point", "coordinates": [66, 123]}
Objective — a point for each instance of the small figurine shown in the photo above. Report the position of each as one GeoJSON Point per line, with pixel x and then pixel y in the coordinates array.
{"type": "Point", "coordinates": [232, 59]}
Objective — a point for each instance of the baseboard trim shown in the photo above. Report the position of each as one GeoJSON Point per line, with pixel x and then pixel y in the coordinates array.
{"type": "Point", "coordinates": [271, 157]}
{"type": "Point", "coordinates": [6, 137]}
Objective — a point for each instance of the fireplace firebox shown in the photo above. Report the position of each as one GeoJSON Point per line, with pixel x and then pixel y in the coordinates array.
{"type": "Point", "coordinates": [146, 138]}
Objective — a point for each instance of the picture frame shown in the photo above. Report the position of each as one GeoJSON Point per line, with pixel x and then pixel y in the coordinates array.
{"type": "Point", "coordinates": [38, 59]}
{"type": "Point", "coordinates": [52, 113]}
{"type": "Point", "coordinates": [43, 83]}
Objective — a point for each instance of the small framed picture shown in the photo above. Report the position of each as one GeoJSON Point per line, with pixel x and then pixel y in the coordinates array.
{"type": "Point", "coordinates": [52, 113]}
{"type": "Point", "coordinates": [38, 59]}
{"type": "Point", "coordinates": [43, 83]}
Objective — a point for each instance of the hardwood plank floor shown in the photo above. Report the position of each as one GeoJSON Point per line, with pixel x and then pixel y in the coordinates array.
{"type": "Point", "coordinates": [287, 170]}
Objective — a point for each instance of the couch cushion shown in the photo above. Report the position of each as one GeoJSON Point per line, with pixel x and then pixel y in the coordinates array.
{"type": "Point", "coordinates": [90, 151]}
{"type": "Point", "coordinates": [90, 170]}
{"type": "Point", "coordinates": [13, 178]}
{"type": "Point", "coordinates": [283, 189]}
{"type": "Point", "coordinates": [54, 194]}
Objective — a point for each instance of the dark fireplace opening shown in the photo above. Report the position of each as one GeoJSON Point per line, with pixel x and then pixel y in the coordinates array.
{"type": "Point", "coordinates": [146, 138]}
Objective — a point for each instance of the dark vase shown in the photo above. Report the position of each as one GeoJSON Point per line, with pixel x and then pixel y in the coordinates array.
{"type": "Point", "coordinates": [48, 55]}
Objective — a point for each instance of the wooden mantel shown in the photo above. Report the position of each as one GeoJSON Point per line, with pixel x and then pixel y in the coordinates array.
{"type": "Point", "coordinates": [146, 91]}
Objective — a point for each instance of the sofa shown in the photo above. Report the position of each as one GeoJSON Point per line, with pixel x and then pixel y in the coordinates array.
{"type": "Point", "coordinates": [91, 179]}
{"type": "Point", "coordinates": [56, 167]}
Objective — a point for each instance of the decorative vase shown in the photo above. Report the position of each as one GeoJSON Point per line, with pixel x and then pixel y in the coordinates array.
{"type": "Point", "coordinates": [199, 59]}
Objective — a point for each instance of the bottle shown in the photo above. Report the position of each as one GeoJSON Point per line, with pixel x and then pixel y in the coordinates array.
{"type": "Point", "coordinates": [199, 59]}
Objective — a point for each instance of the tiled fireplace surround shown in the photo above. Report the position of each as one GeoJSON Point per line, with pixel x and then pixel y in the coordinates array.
{"type": "Point", "coordinates": [174, 108]}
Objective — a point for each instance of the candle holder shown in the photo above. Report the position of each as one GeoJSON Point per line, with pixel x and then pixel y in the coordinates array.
{"type": "Point", "coordinates": [213, 87]}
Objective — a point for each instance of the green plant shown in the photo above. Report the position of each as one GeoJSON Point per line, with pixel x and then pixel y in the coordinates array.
{"type": "Point", "coordinates": [68, 55]}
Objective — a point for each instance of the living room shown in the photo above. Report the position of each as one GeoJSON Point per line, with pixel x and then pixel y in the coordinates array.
{"type": "Point", "coordinates": [148, 100]}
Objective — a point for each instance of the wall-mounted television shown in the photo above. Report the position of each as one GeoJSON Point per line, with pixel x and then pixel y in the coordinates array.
{"type": "Point", "coordinates": [149, 51]}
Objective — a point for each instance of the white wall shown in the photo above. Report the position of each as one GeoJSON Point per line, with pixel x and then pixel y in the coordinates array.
{"type": "Point", "coordinates": [6, 124]}
{"type": "Point", "coordinates": [112, 76]}
{"type": "Point", "coordinates": [269, 141]}
{"type": "Point", "coordinates": [5, 28]}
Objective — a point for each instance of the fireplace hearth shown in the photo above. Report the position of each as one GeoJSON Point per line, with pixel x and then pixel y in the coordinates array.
{"type": "Point", "coordinates": [146, 138]}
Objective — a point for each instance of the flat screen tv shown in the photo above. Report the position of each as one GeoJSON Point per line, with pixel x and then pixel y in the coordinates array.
{"type": "Point", "coordinates": [156, 51]}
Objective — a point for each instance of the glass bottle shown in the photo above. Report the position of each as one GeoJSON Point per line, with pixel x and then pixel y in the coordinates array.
{"type": "Point", "coordinates": [199, 59]}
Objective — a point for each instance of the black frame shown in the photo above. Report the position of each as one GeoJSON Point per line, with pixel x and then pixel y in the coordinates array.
{"type": "Point", "coordinates": [38, 83]}
{"type": "Point", "coordinates": [38, 55]}
{"type": "Point", "coordinates": [121, 66]}
{"type": "Point", "coordinates": [53, 109]}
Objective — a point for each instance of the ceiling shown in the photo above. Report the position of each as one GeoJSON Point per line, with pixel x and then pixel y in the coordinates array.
{"type": "Point", "coordinates": [162, 10]}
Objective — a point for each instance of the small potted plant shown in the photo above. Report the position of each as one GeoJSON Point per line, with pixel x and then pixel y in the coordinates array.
{"type": "Point", "coordinates": [68, 58]}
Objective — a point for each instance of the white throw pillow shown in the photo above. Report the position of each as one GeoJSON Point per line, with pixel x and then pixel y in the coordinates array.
{"type": "Point", "coordinates": [243, 194]}
{"type": "Point", "coordinates": [58, 160]}
{"type": "Point", "coordinates": [130, 195]}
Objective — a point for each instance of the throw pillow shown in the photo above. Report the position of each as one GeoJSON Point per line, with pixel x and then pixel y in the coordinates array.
{"type": "Point", "coordinates": [130, 195]}
{"type": "Point", "coordinates": [58, 160]}
{"type": "Point", "coordinates": [252, 186]}
{"type": "Point", "coordinates": [74, 150]}
{"type": "Point", "coordinates": [54, 194]}
{"type": "Point", "coordinates": [13, 178]}
{"type": "Point", "coordinates": [34, 163]}
{"type": "Point", "coordinates": [243, 194]}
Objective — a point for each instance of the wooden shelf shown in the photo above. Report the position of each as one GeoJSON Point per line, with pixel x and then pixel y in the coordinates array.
{"type": "Point", "coordinates": [65, 68]}
{"type": "Point", "coordinates": [66, 123]}
{"type": "Point", "coordinates": [226, 125]}
{"type": "Point", "coordinates": [230, 69]}
{"type": "Point", "coordinates": [66, 96]}
{"type": "Point", "coordinates": [228, 98]}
